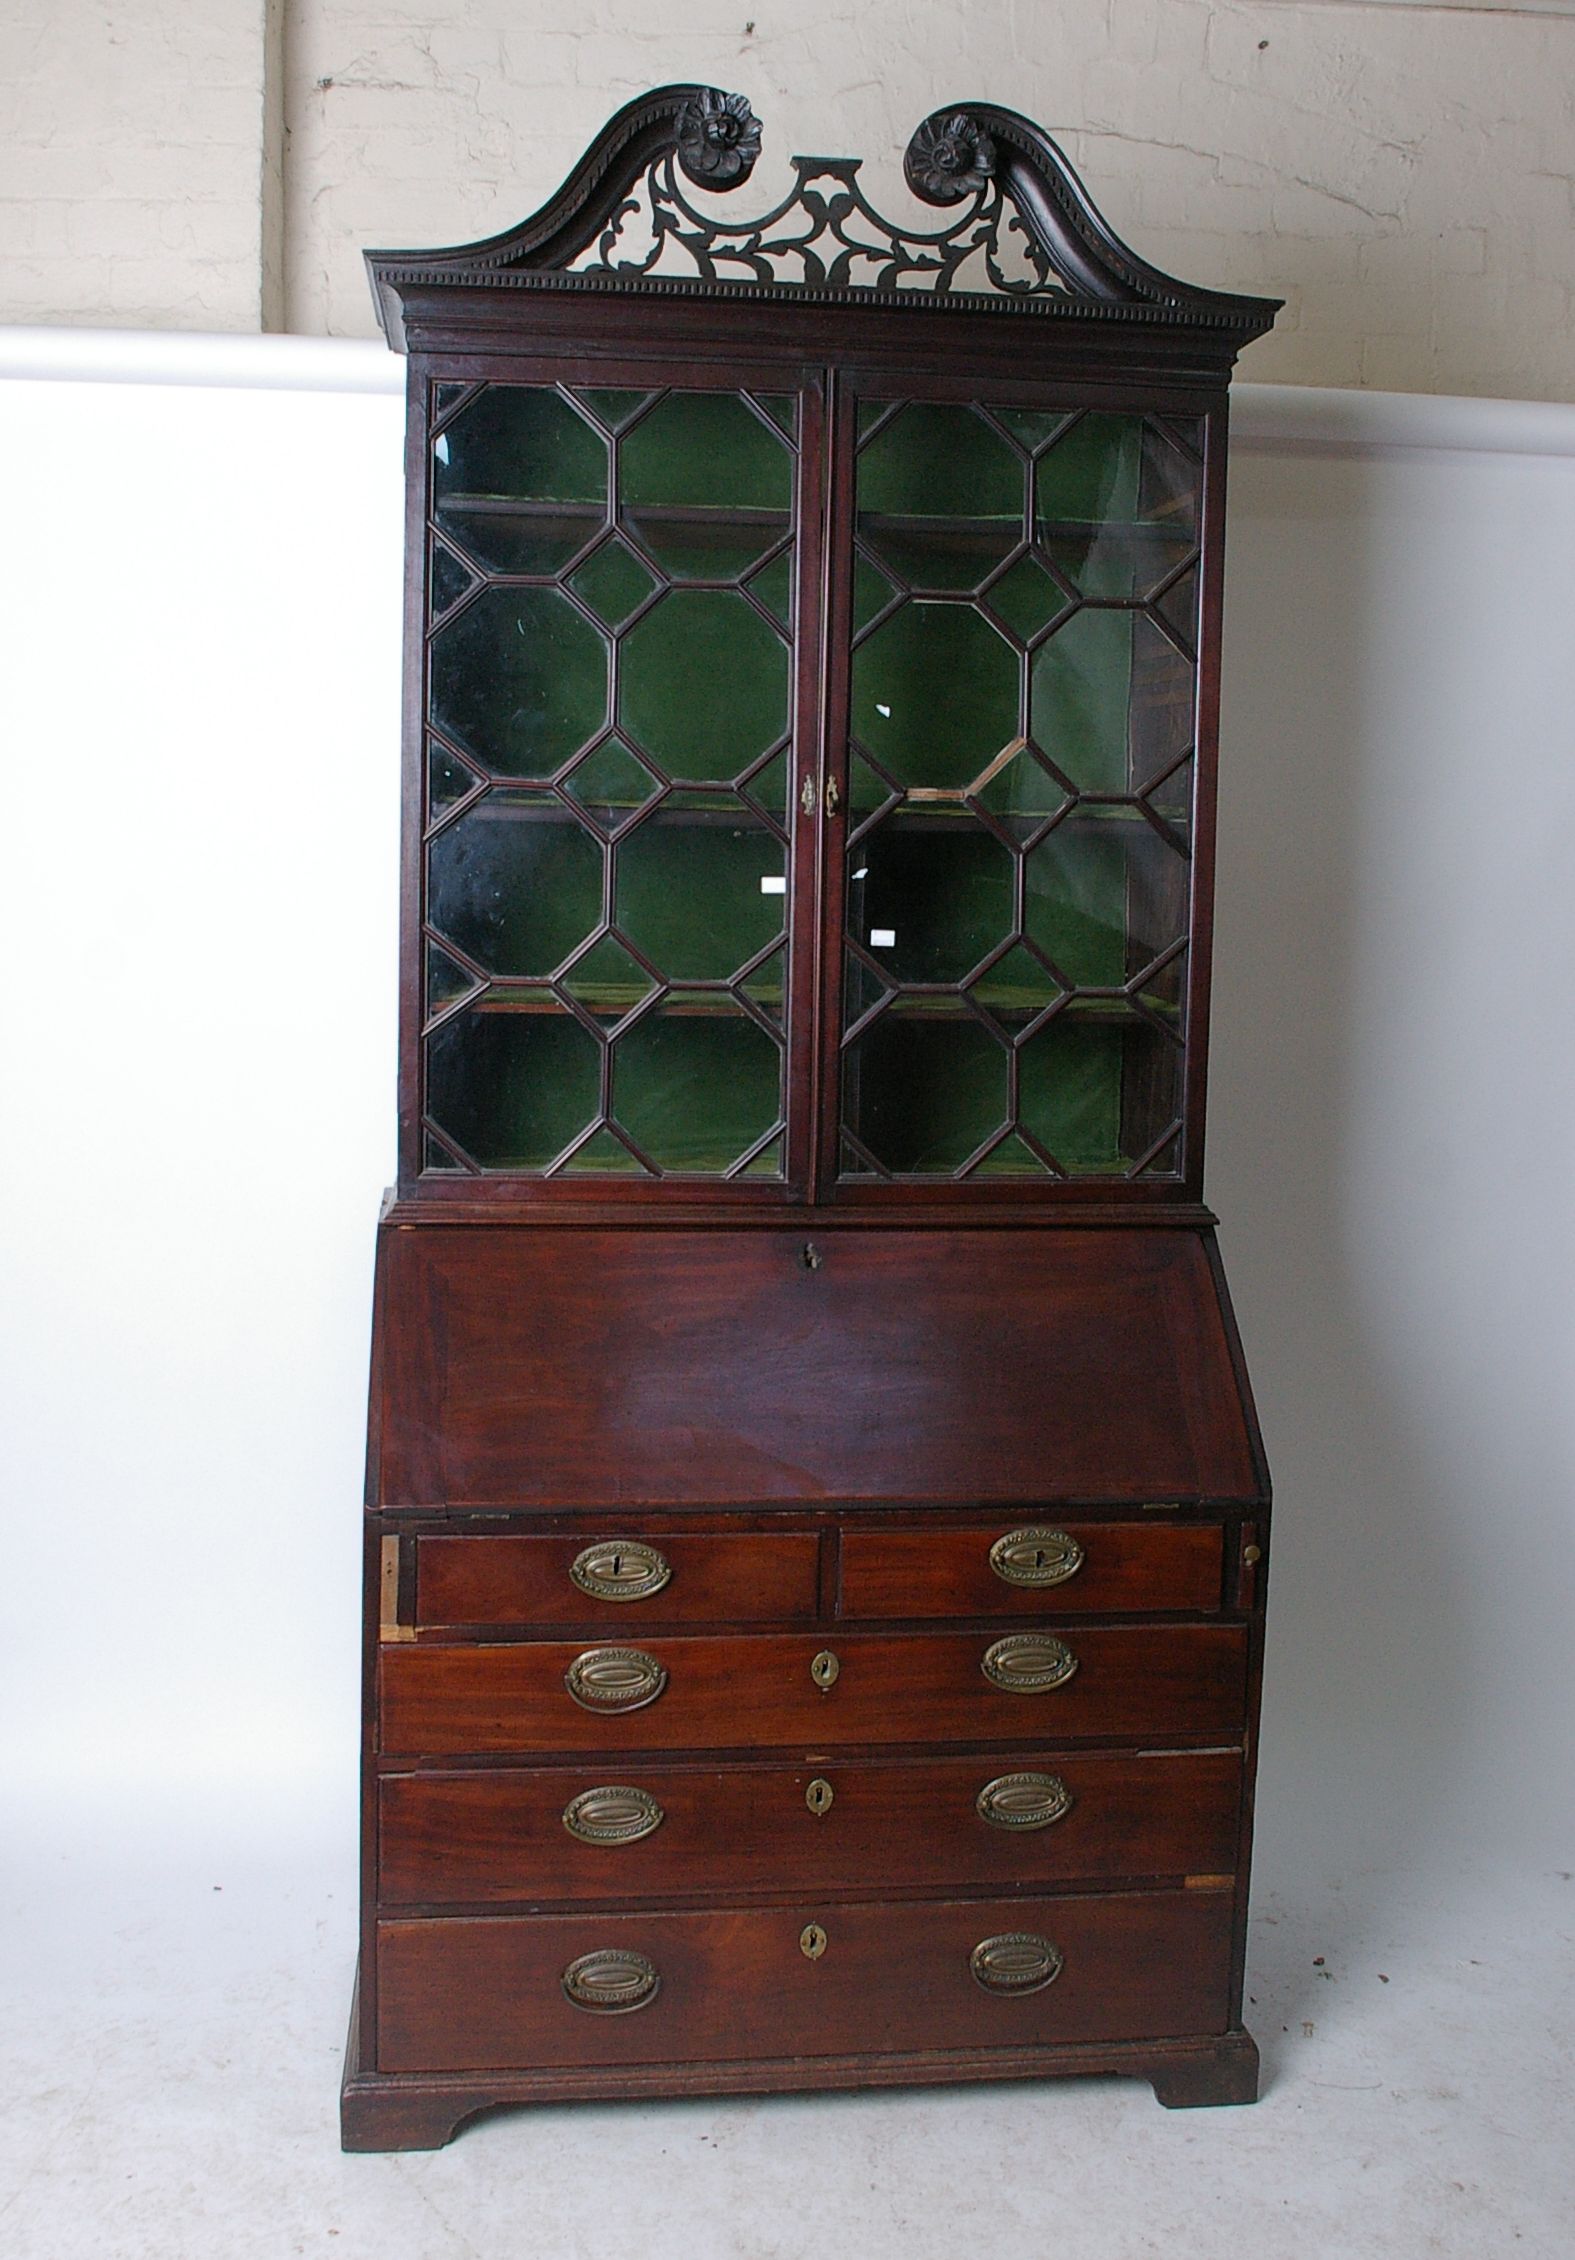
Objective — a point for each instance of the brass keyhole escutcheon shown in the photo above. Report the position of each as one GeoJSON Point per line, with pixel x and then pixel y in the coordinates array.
{"type": "Point", "coordinates": [812, 1941]}
{"type": "Point", "coordinates": [818, 1795]}
{"type": "Point", "coordinates": [823, 1671]}
{"type": "Point", "coordinates": [810, 1256]}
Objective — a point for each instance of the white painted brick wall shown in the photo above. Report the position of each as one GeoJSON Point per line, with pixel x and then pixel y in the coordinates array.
{"type": "Point", "coordinates": [1405, 177]}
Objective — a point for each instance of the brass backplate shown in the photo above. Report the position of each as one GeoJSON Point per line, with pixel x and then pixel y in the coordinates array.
{"type": "Point", "coordinates": [612, 1815]}
{"type": "Point", "coordinates": [1023, 1800]}
{"type": "Point", "coordinates": [620, 1569]}
{"type": "Point", "coordinates": [825, 1669]}
{"type": "Point", "coordinates": [1015, 1961]}
{"type": "Point", "coordinates": [818, 1796]}
{"type": "Point", "coordinates": [1028, 1663]}
{"type": "Point", "coordinates": [612, 1981]}
{"type": "Point", "coordinates": [812, 1942]}
{"type": "Point", "coordinates": [1036, 1557]}
{"type": "Point", "coordinates": [615, 1679]}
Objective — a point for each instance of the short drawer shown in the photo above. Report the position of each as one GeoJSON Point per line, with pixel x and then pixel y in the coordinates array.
{"type": "Point", "coordinates": [784, 1690]}
{"type": "Point", "coordinates": [1040, 1567]}
{"type": "Point", "coordinates": [639, 1832]}
{"type": "Point", "coordinates": [476, 1993]}
{"type": "Point", "coordinates": [622, 1577]}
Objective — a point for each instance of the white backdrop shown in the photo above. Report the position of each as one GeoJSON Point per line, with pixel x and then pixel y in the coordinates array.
{"type": "Point", "coordinates": [199, 612]}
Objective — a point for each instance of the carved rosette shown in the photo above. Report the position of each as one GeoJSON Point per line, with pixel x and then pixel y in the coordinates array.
{"type": "Point", "coordinates": [717, 138]}
{"type": "Point", "coordinates": [949, 157]}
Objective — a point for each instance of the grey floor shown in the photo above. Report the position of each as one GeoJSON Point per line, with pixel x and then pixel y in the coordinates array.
{"type": "Point", "coordinates": [176, 2019]}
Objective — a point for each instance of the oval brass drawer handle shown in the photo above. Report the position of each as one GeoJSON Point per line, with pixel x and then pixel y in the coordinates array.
{"type": "Point", "coordinates": [1015, 1961]}
{"type": "Point", "coordinates": [620, 1569]}
{"type": "Point", "coordinates": [612, 1981]}
{"type": "Point", "coordinates": [1023, 1800]}
{"type": "Point", "coordinates": [1028, 1663]}
{"type": "Point", "coordinates": [612, 1815]}
{"type": "Point", "coordinates": [615, 1679]}
{"type": "Point", "coordinates": [1036, 1557]}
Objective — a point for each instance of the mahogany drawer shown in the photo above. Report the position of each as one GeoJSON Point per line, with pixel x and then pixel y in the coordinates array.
{"type": "Point", "coordinates": [758, 1691]}
{"type": "Point", "coordinates": [1041, 1567]}
{"type": "Point", "coordinates": [477, 1992]}
{"type": "Point", "coordinates": [470, 1838]}
{"type": "Point", "coordinates": [666, 1576]}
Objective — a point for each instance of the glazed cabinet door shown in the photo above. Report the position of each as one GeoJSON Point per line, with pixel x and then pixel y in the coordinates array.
{"type": "Point", "coordinates": [1015, 871]}
{"type": "Point", "coordinates": [612, 697]}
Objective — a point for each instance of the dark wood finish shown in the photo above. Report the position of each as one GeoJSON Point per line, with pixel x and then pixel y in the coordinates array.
{"type": "Point", "coordinates": [756, 1691]}
{"type": "Point", "coordinates": [470, 1993]}
{"type": "Point", "coordinates": [824, 1398]}
{"type": "Point", "coordinates": [454, 1839]}
{"type": "Point", "coordinates": [764, 1577]}
{"type": "Point", "coordinates": [424, 2110]}
{"type": "Point", "coordinates": [933, 1571]}
{"type": "Point", "coordinates": [540, 1366]}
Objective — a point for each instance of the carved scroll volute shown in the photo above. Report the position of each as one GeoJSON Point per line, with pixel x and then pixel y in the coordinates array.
{"type": "Point", "coordinates": [615, 1679]}
{"type": "Point", "coordinates": [1015, 1961]}
{"type": "Point", "coordinates": [1028, 1663]}
{"type": "Point", "coordinates": [612, 1981]}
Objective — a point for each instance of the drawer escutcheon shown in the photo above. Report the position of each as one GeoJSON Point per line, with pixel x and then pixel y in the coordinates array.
{"type": "Point", "coordinates": [620, 1569]}
{"type": "Point", "coordinates": [1028, 1663]}
{"type": "Point", "coordinates": [1015, 1961]}
{"type": "Point", "coordinates": [612, 1981]}
{"type": "Point", "coordinates": [1023, 1800]}
{"type": "Point", "coordinates": [1036, 1557]}
{"type": "Point", "coordinates": [612, 1815]}
{"type": "Point", "coordinates": [615, 1679]}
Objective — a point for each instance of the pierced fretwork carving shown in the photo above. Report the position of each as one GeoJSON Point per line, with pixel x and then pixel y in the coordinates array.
{"type": "Point", "coordinates": [1019, 225]}
{"type": "Point", "coordinates": [825, 233]}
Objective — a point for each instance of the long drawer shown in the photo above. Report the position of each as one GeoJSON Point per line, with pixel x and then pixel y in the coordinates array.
{"type": "Point", "coordinates": [1028, 1818]}
{"type": "Point", "coordinates": [776, 1690]}
{"type": "Point", "coordinates": [477, 1992]}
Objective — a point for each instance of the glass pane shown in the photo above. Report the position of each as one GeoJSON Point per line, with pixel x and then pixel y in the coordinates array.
{"type": "Point", "coordinates": [516, 881]}
{"type": "Point", "coordinates": [940, 497]}
{"type": "Point", "coordinates": [935, 695]}
{"type": "Point", "coordinates": [622, 880]}
{"type": "Point", "coordinates": [705, 684]}
{"type": "Point", "coordinates": [512, 1084]}
{"type": "Point", "coordinates": [705, 485]}
{"type": "Point", "coordinates": [1098, 1090]}
{"type": "Point", "coordinates": [1115, 506]}
{"type": "Point", "coordinates": [933, 900]}
{"type": "Point", "coordinates": [927, 1091]}
{"type": "Point", "coordinates": [1105, 896]}
{"type": "Point", "coordinates": [613, 582]}
{"type": "Point", "coordinates": [519, 479]}
{"type": "Point", "coordinates": [697, 1084]}
{"type": "Point", "coordinates": [700, 850]}
{"type": "Point", "coordinates": [1019, 789]}
{"type": "Point", "coordinates": [520, 678]}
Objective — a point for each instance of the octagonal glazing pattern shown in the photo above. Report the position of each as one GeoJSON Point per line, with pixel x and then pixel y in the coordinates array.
{"type": "Point", "coordinates": [607, 864]}
{"type": "Point", "coordinates": [1021, 721]}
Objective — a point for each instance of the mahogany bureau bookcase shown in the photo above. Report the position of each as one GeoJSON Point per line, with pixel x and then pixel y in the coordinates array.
{"type": "Point", "coordinates": [815, 1517]}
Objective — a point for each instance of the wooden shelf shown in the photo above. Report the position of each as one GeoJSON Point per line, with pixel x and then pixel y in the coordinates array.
{"type": "Point", "coordinates": [689, 517]}
{"type": "Point", "coordinates": [959, 530]}
{"type": "Point", "coordinates": [1008, 1001]}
